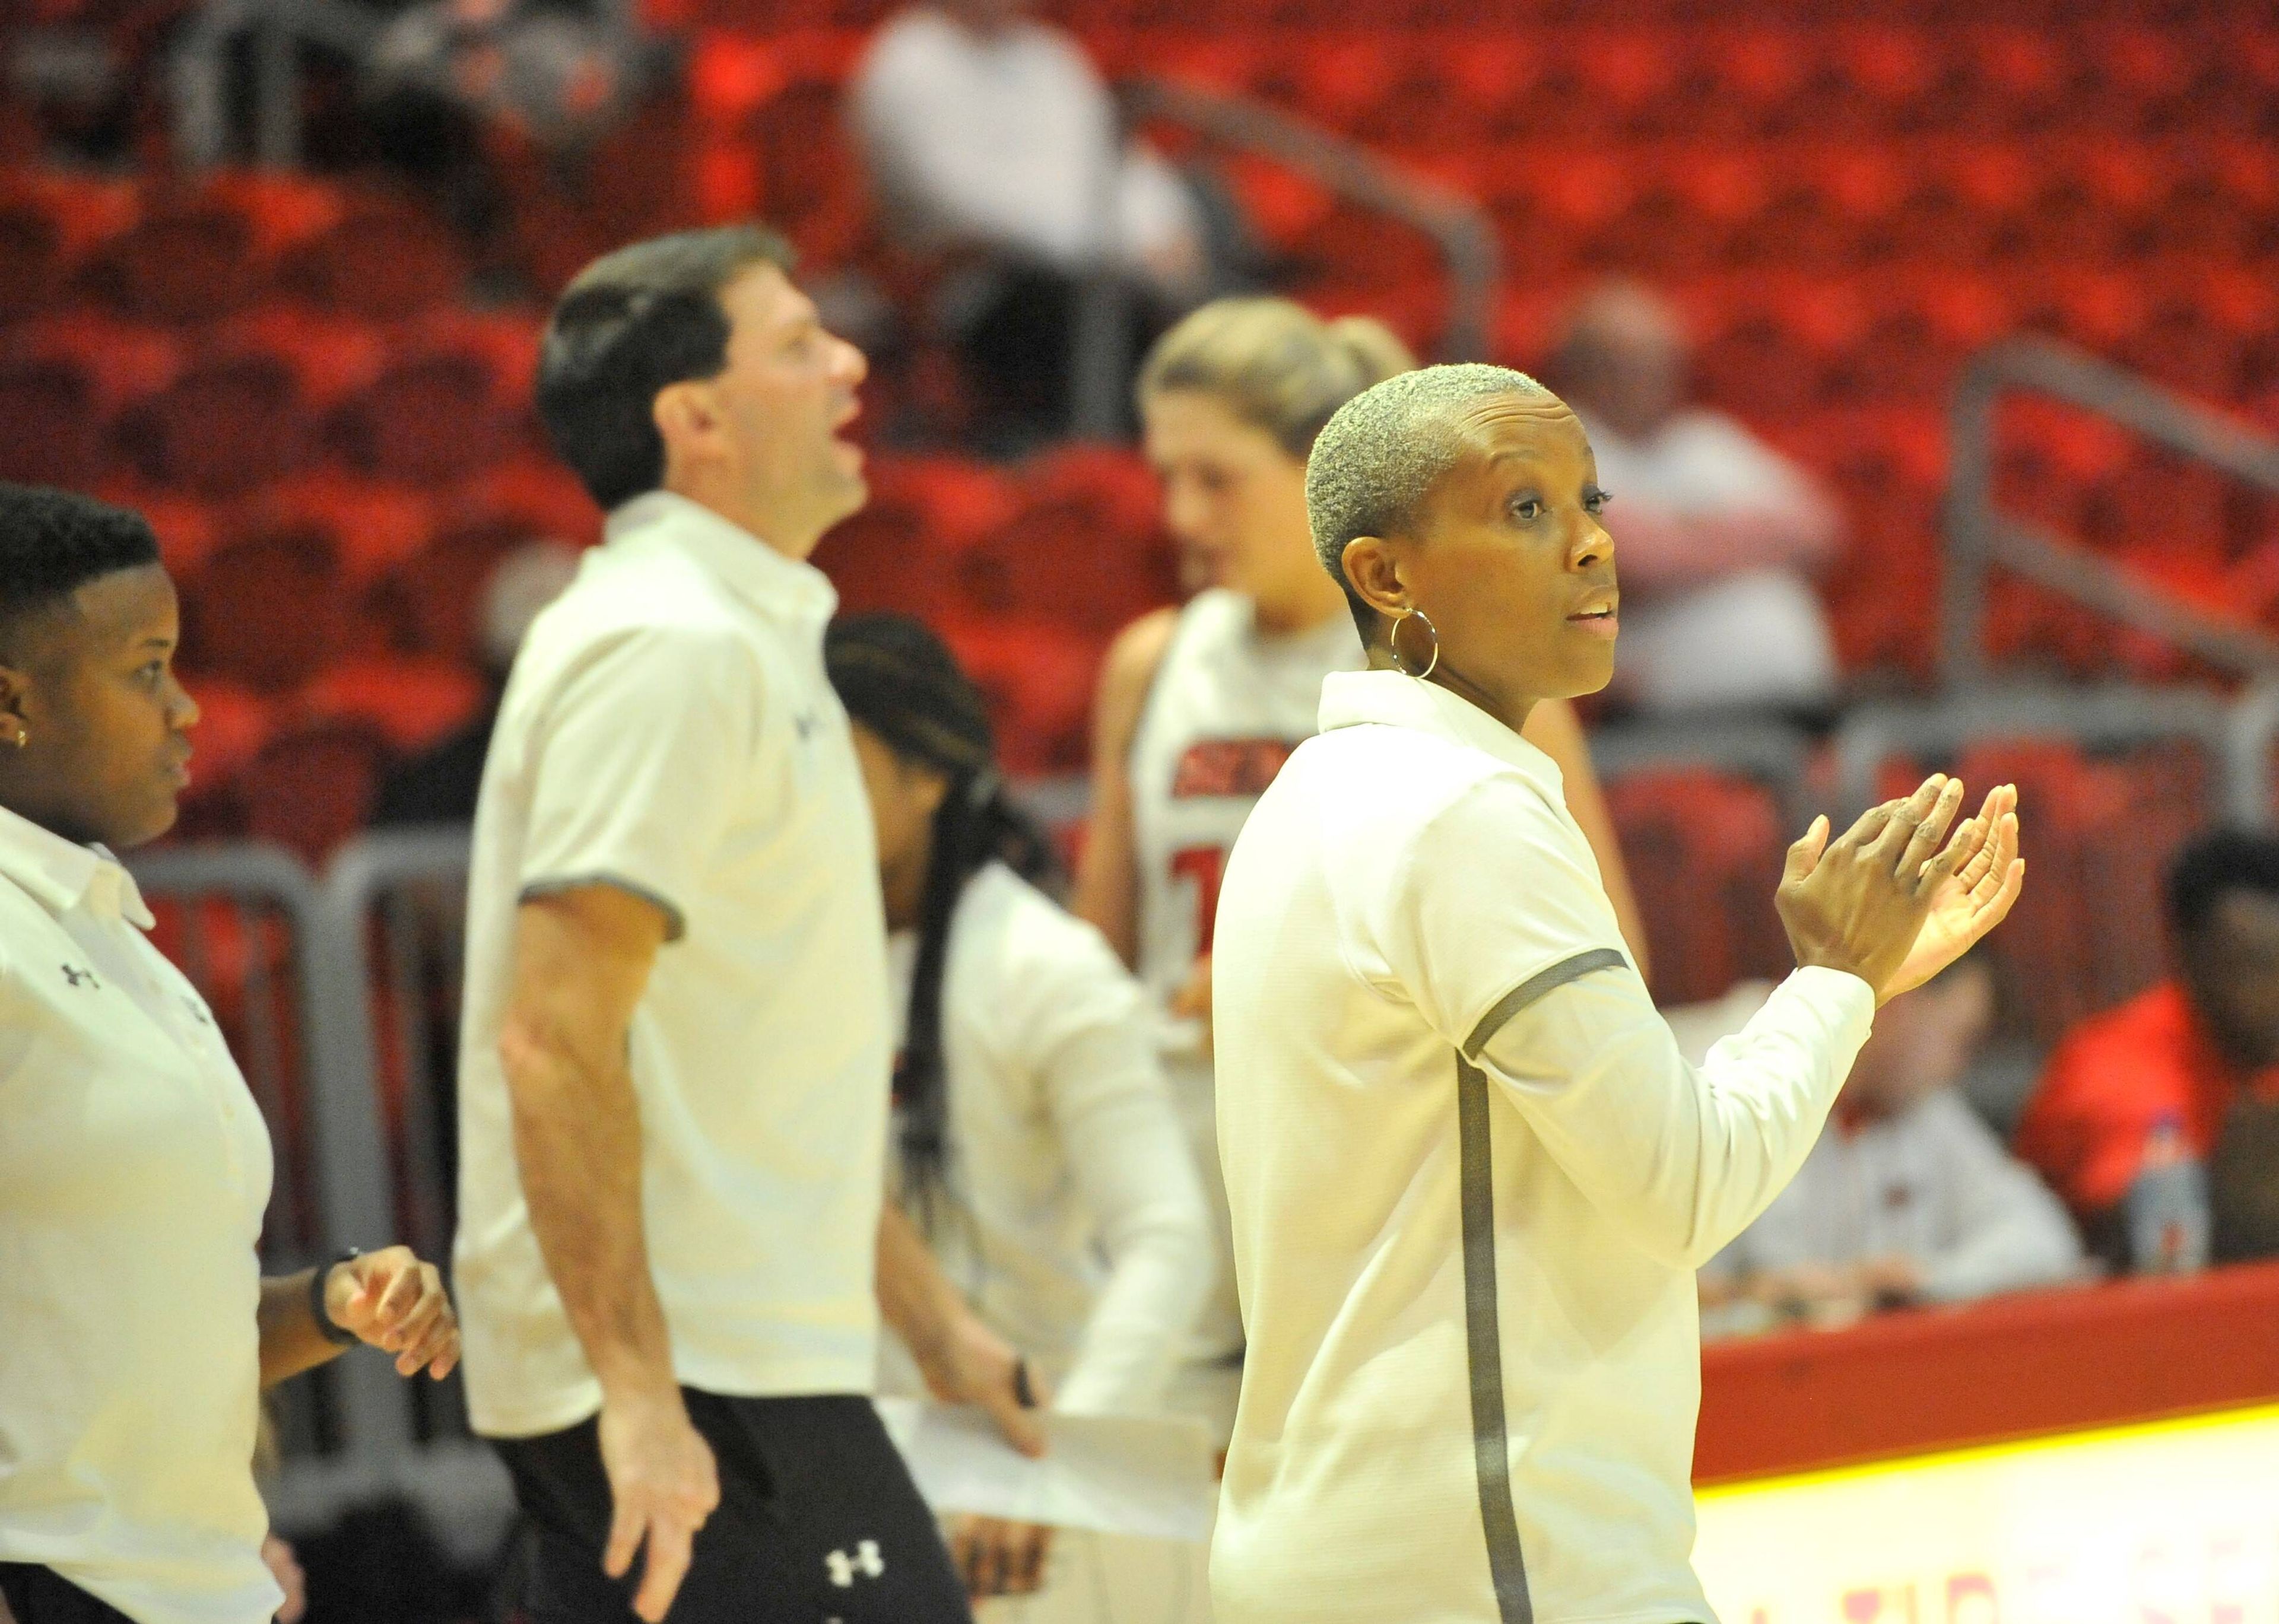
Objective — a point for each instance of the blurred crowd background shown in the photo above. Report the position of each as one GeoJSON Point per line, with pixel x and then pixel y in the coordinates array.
{"type": "Point", "coordinates": [1930, 350]}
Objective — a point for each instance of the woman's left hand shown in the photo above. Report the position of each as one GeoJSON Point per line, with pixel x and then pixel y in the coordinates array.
{"type": "Point", "coordinates": [1988, 876]}
{"type": "Point", "coordinates": [392, 1300]}
{"type": "Point", "coordinates": [998, 1558]}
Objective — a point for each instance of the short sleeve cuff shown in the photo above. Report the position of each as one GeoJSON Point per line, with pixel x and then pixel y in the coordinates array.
{"type": "Point", "coordinates": [676, 922]}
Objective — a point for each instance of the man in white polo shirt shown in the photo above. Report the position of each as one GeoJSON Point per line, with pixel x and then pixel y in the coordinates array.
{"type": "Point", "coordinates": [1469, 1175]}
{"type": "Point", "coordinates": [675, 1066]}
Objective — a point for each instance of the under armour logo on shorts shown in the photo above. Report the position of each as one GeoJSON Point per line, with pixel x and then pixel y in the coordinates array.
{"type": "Point", "coordinates": [81, 978]}
{"type": "Point", "coordinates": [865, 1561]}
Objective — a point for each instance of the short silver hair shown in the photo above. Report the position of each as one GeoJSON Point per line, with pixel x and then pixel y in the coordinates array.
{"type": "Point", "coordinates": [1382, 452]}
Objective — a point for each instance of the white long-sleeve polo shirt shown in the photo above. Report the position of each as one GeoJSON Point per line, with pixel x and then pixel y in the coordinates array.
{"type": "Point", "coordinates": [1470, 1178]}
{"type": "Point", "coordinates": [135, 1169]}
{"type": "Point", "coordinates": [1072, 1216]}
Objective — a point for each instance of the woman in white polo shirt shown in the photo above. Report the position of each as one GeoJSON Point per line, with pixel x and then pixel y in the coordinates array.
{"type": "Point", "coordinates": [136, 1330]}
{"type": "Point", "coordinates": [1469, 1175]}
{"type": "Point", "coordinates": [1038, 1151]}
{"type": "Point", "coordinates": [1200, 706]}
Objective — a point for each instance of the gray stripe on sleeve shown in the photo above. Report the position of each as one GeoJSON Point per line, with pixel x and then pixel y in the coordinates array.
{"type": "Point", "coordinates": [1533, 988]}
{"type": "Point", "coordinates": [1483, 1349]}
{"type": "Point", "coordinates": [676, 924]}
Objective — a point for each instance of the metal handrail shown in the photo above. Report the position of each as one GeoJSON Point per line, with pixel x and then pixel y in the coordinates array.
{"type": "Point", "coordinates": [2107, 716]}
{"type": "Point", "coordinates": [1980, 537]}
{"type": "Point", "coordinates": [1457, 223]}
{"type": "Point", "coordinates": [201, 68]}
{"type": "Point", "coordinates": [348, 1138]}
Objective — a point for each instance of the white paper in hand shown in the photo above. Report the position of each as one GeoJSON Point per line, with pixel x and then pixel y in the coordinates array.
{"type": "Point", "coordinates": [1111, 1474]}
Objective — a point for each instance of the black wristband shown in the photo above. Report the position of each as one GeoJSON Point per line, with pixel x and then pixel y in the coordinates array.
{"type": "Point", "coordinates": [327, 1326]}
{"type": "Point", "coordinates": [1024, 1393]}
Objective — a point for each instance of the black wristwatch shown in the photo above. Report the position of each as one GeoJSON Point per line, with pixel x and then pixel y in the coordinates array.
{"type": "Point", "coordinates": [331, 1330]}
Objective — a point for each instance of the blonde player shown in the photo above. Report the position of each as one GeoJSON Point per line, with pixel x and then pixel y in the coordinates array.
{"type": "Point", "coordinates": [1199, 706]}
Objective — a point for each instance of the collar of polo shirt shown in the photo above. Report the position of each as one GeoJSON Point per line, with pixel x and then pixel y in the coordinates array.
{"type": "Point", "coordinates": [1394, 699]}
{"type": "Point", "coordinates": [60, 875]}
{"type": "Point", "coordinates": [775, 584]}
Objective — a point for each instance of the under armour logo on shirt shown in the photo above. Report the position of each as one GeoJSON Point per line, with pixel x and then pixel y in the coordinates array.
{"type": "Point", "coordinates": [81, 978]}
{"type": "Point", "coordinates": [865, 1561]}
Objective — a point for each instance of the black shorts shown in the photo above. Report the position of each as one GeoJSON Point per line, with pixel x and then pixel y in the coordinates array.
{"type": "Point", "coordinates": [819, 1523]}
{"type": "Point", "coordinates": [42, 1596]}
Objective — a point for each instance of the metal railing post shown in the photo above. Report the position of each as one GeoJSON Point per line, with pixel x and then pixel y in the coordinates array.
{"type": "Point", "coordinates": [348, 1154]}
{"type": "Point", "coordinates": [2254, 730]}
{"type": "Point", "coordinates": [1980, 536]}
{"type": "Point", "coordinates": [277, 91]}
{"type": "Point", "coordinates": [1458, 226]}
{"type": "Point", "coordinates": [1970, 506]}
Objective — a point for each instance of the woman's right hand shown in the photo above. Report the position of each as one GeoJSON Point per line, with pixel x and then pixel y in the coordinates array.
{"type": "Point", "coordinates": [997, 1558]}
{"type": "Point", "coordinates": [1859, 904]}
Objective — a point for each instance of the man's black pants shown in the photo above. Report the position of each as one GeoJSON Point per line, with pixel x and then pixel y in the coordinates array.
{"type": "Point", "coordinates": [42, 1596]}
{"type": "Point", "coordinates": [819, 1523]}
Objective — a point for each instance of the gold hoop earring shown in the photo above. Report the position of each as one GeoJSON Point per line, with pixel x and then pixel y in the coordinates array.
{"type": "Point", "coordinates": [1393, 639]}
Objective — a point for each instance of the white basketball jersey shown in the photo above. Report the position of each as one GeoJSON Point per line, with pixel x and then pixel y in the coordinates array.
{"type": "Point", "coordinates": [1226, 708]}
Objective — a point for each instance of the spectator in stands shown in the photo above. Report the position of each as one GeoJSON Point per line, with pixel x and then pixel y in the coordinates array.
{"type": "Point", "coordinates": [440, 787]}
{"type": "Point", "coordinates": [1720, 534]}
{"type": "Point", "coordinates": [1039, 1153]}
{"type": "Point", "coordinates": [993, 144]}
{"type": "Point", "coordinates": [2152, 1120]}
{"type": "Point", "coordinates": [135, 1165]}
{"type": "Point", "coordinates": [557, 73]}
{"type": "Point", "coordinates": [673, 1247]}
{"type": "Point", "coordinates": [1908, 1197]}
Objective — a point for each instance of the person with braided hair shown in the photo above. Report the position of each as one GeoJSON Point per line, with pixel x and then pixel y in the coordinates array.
{"type": "Point", "coordinates": [1038, 1150]}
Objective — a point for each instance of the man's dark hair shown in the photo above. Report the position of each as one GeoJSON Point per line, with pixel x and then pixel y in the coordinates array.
{"type": "Point", "coordinates": [634, 322]}
{"type": "Point", "coordinates": [53, 542]}
{"type": "Point", "coordinates": [2214, 866]}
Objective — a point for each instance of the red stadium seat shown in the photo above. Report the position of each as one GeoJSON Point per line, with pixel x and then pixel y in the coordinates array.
{"type": "Point", "coordinates": [433, 415]}
{"type": "Point", "coordinates": [372, 525]}
{"type": "Point", "coordinates": [122, 362]}
{"type": "Point", "coordinates": [331, 357]}
{"type": "Point", "coordinates": [538, 492]}
{"type": "Point", "coordinates": [382, 258]}
{"type": "Point", "coordinates": [1704, 851]}
{"type": "Point", "coordinates": [1085, 552]}
{"type": "Point", "coordinates": [431, 604]}
{"type": "Point", "coordinates": [31, 259]}
{"type": "Point", "coordinates": [311, 784]}
{"type": "Point", "coordinates": [191, 257]}
{"type": "Point", "coordinates": [900, 552]}
{"type": "Point", "coordinates": [55, 429]}
{"type": "Point", "coordinates": [413, 703]}
{"type": "Point", "coordinates": [268, 610]}
{"type": "Point", "coordinates": [1038, 678]}
{"type": "Point", "coordinates": [227, 424]}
